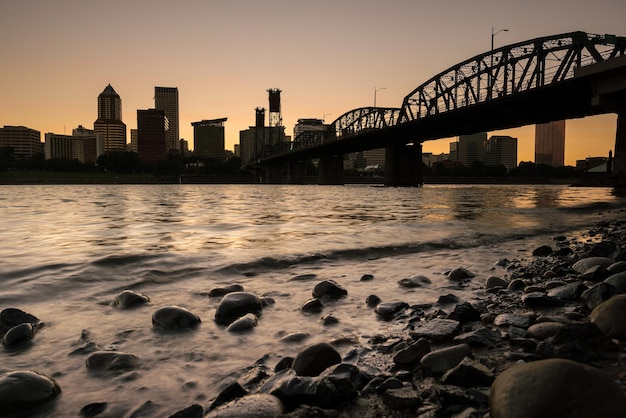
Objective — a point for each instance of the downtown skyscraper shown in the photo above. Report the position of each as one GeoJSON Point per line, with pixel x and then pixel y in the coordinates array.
{"type": "Point", "coordinates": [109, 123]}
{"type": "Point", "coordinates": [550, 143]}
{"type": "Point", "coordinates": [166, 99]}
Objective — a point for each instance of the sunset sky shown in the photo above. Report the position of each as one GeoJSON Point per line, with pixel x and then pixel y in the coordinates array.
{"type": "Point", "coordinates": [326, 56]}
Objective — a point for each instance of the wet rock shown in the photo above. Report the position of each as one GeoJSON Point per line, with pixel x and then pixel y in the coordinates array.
{"type": "Point", "coordinates": [617, 267]}
{"type": "Point", "coordinates": [174, 317]}
{"type": "Point", "coordinates": [540, 300]}
{"type": "Point", "coordinates": [111, 360]}
{"type": "Point", "coordinates": [516, 320]}
{"type": "Point", "coordinates": [11, 317]}
{"type": "Point", "coordinates": [235, 305]}
{"type": "Point", "coordinates": [603, 249]}
{"type": "Point", "coordinates": [516, 285]}
{"type": "Point", "coordinates": [284, 364]}
{"type": "Point", "coordinates": [18, 335]}
{"type": "Point", "coordinates": [295, 337]}
{"type": "Point", "coordinates": [401, 398]}
{"type": "Point", "coordinates": [581, 266]}
{"type": "Point", "coordinates": [389, 309]}
{"type": "Point", "coordinates": [597, 294]}
{"type": "Point", "coordinates": [414, 281]}
{"type": "Point", "coordinates": [437, 329]}
{"type": "Point", "coordinates": [413, 353]}
{"type": "Point", "coordinates": [444, 359]}
{"type": "Point", "coordinates": [130, 299]}
{"type": "Point", "coordinates": [21, 391]}
{"type": "Point", "coordinates": [222, 291]}
{"type": "Point", "coordinates": [330, 289]}
{"type": "Point", "coordinates": [481, 337]}
{"type": "Point", "coordinates": [367, 277]}
{"type": "Point", "coordinates": [193, 411]}
{"type": "Point", "coordinates": [372, 301]}
{"type": "Point", "coordinates": [595, 273]}
{"type": "Point", "coordinates": [543, 330]}
{"type": "Point", "coordinates": [303, 277]}
{"type": "Point", "coordinates": [259, 405]}
{"type": "Point", "coordinates": [229, 393]}
{"type": "Point", "coordinates": [446, 299]}
{"type": "Point", "coordinates": [543, 251]}
{"type": "Point", "coordinates": [609, 317]}
{"type": "Point", "coordinates": [245, 323]}
{"type": "Point", "coordinates": [555, 388]}
{"type": "Point", "coordinates": [569, 291]}
{"type": "Point", "coordinates": [459, 274]}
{"type": "Point", "coordinates": [464, 312]}
{"type": "Point", "coordinates": [312, 306]}
{"type": "Point", "coordinates": [618, 281]}
{"type": "Point", "coordinates": [315, 359]}
{"type": "Point", "coordinates": [494, 281]}
{"type": "Point", "coordinates": [329, 319]}
{"type": "Point", "coordinates": [469, 373]}
{"type": "Point", "coordinates": [580, 341]}
{"type": "Point", "coordinates": [93, 409]}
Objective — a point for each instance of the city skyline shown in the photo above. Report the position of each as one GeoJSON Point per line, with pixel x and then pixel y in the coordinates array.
{"type": "Point", "coordinates": [327, 59]}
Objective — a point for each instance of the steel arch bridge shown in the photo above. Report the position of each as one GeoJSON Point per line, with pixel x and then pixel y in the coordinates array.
{"type": "Point", "coordinates": [494, 75]}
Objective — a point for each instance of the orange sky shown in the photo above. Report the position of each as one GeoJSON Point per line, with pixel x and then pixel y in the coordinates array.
{"type": "Point", "coordinates": [326, 56]}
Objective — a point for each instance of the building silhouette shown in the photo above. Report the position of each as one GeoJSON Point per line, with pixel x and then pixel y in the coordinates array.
{"type": "Point", "coordinates": [501, 150]}
{"type": "Point", "coordinates": [470, 148]}
{"type": "Point", "coordinates": [208, 138]}
{"type": "Point", "coordinates": [24, 142]}
{"type": "Point", "coordinates": [83, 145]}
{"type": "Point", "coordinates": [550, 143]}
{"type": "Point", "coordinates": [166, 99]}
{"type": "Point", "coordinates": [152, 126]}
{"type": "Point", "coordinates": [109, 123]}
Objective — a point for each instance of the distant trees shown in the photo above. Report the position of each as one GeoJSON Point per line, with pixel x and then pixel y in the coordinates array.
{"type": "Point", "coordinates": [479, 169]}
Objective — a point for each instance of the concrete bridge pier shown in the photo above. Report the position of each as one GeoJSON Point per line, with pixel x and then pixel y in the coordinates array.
{"type": "Point", "coordinates": [268, 174]}
{"type": "Point", "coordinates": [296, 172]}
{"type": "Point", "coordinates": [619, 159]}
{"type": "Point", "coordinates": [403, 165]}
{"type": "Point", "coordinates": [331, 170]}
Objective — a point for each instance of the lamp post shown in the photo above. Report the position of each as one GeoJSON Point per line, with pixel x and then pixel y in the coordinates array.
{"type": "Point", "coordinates": [375, 91]}
{"type": "Point", "coordinates": [493, 35]}
{"type": "Point", "coordinates": [324, 116]}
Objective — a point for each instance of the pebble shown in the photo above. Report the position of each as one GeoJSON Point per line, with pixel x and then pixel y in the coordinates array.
{"type": "Point", "coordinates": [174, 317]}
{"type": "Point", "coordinates": [444, 359]}
{"type": "Point", "coordinates": [236, 304]}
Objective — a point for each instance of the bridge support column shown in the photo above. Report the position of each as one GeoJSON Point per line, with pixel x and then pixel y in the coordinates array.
{"type": "Point", "coordinates": [331, 170]}
{"type": "Point", "coordinates": [619, 159]}
{"type": "Point", "coordinates": [296, 172]}
{"type": "Point", "coordinates": [403, 165]}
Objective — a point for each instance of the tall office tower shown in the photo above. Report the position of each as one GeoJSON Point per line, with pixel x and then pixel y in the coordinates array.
{"type": "Point", "coordinates": [152, 126]}
{"type": "Point", "coordinates": [501, 150]}
{"type": "Point", "coordinates": [166, 99]}
{"type": "Point", "coordinates": [24, 142]}
{"type": "Point", "coordinates": [109, 123]}
{"type": "Point", "coordinates": [471, 148]}
{"type": "Point", "coordinates": [550, 143]}
{"type": "Point", "coordinates": [208, 138]}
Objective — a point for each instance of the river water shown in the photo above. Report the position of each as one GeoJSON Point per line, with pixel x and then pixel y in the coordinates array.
{"type": "Point", "coordinates": [67, 251]}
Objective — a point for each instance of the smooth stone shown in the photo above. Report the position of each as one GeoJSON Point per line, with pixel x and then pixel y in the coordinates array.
{"type": "Point", "coordinates": [543, 330]}
{"type": "Point", "coordinates": [413, 353]}
{"type": "Point", "coordinates": [569, 291]}
{"type": "Point", "coordinates": [21, 391]}
{"type": "Point", "coordinates": [414, 281]}
{"type": "Point", "coordinates": [295, 337]}
{"type": "Point", "coordinates": [469, 373]}
{"type": "Point", "coordinates": [581, 266]}
{"type": "Point", "coordinates": [245, 323]}
{"type": "Point", "coordinates": [516, 285]}
{"type": "Point", "coordinates": [516, 320]}
{"type": "Point", "coordinates": [617, 267]}
{"type": "Point", "coordinates": [192, 411]}
{"type": "Point", "coordinates": [459, 274]}
{"type": "Point", "coordinates": [603, 249]}
{"type": "Point", "coordinates": [543, 251]}
{"type": "Point", "coordinates": [223, 291]}
{"type": "Point", "coordinates": [495, 281]}
{"type": "Point", "coordinates": [609, 317]}
{"type": "Point", "coordinates": [464, 312]}
{"type": "Point", "coordinates": [401, 398]}
{"type": "Point", "coordinates": [259, 405]}
{"type": "Point", "coordinates": [11, 317]}
{"type": "Point", "coordinates": [312, 305]}
{"type": "Point", "coordinates": [174, 317]}
{"type": "Point", "coordinates": [449, 298]}
{"type": "Point", "coordinates": [444, 359]}
{"type": "Point", "coordinates": [540, 300]}
{"type": "Point", "coordinates": [130, 299]}
{"type": "Point", "coordinates": [302, 277]}
{"type": "Point", "coordinates": [367, 277]}
{"type": "Point", "coordinates": [329, 319]}
{"type": "Point", "coordinates": [389, 309]}
{"type": "Point", "coordinates": [111, 360]}
{"type": "Point", "coordinates": [18, 335]}
{"type": "Point", "coordinates": [618, 281]}
{"type": "Point", "coordinates": [437, 329]}
{"type": "Point", "coordinates": [597, 294]}
{"type": "Point", "coordinates": [329, 288]}
{"type": "Point", "coordinates": [372, 301]}
{"type": "Point", "coordinates": [235, 305]}
{"type": "Point", "coordinates": [229, 393]}
{"type": "Point", "coordinates": [315, 359]}
{"type": "Point", "coordinates": [555, 388]}
{"type": "Point", "coordinates": [480, 337]}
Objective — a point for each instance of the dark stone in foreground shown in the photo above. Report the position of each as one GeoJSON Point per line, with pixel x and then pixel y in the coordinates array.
{"type": "Point", "coordinates": [18, 335]}
{"type": "Point", "coordinates": [111, 360]}
{"type": "Point", "coordinates": [130, 299]}
{"type": "Point", "coordinates": [329, 288]}
{"type": "Point", "coordinates": [259, 405]}
{"type": "Point", "coordinates": [21, 391]}
{"type": "Point", "coordinates": [389, 309]}
{"type": "Point", "coordinates": [555, 388]}
{"type": "Point", "coordinates": [315, 359]}
{"type": "Point", "coordinates": [174, 317]}
{"type": "Point", "coordinates": [235, 305]}
{"type": "Point", "coordinates": [11, 317]}
{"type": "Point", "coordinates": [221, 291]}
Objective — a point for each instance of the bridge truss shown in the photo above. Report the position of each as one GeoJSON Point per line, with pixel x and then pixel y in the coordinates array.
{"type": "Point", "coordinates": [509, 70]}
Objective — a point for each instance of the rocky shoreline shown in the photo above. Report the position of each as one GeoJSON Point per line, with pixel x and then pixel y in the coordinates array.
{"type": "Point", "coordinates": [545, 340]}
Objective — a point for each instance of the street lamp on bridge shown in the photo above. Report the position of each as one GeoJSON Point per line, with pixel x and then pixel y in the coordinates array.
{"type": "Point", "coordinates": [493, 35]}
{"type": "Point", "coordinates": [324, 116]}
{"type": "Point", "coordinates": [375, 91]}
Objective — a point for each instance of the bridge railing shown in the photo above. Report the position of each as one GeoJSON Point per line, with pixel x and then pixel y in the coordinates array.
{"type": "Point", "coordinates": [509, 70]}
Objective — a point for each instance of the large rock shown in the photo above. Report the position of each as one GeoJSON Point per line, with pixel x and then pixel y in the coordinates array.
{"type": "Point", "coordinates": [581, 266]}
{"type": "Point", "coordinates": [414, 281]}
{"type": "Point", "coordinates": [20, 391]}
{"type": "Point", "coordinates": [235, 305]}
{"type": "Point", "coordinates": [174, 317]}
{"type": "Point", "coordinates": [221, 291]}
{"type": "Point", "coordinates": [618, 281]}
{"type": "Point", "coordinates": [389, 309]}
{"type": "Point", "coordinates": [609, 317]}
{"type": "Point", "coordinates": [245, 323]}
{"type": "Point", "coordinates": [329, 288]}
{"type": "Point", "coordinates": [260, 405]}
{"type": "Point", "coordinates": [555, 388]}
{"type": "Point", "coordinates": [11, 317]}
{"type": "Point", "coordinates": [18, 335]}
{"type": "Point", "coordinates": [111, 360]}
{"type": "Point", "coordinates": [315, 359]}
{"type": "Point", "coordinates": [130, 299]}
{"type": "Point", "coordinates": [444, 359]}
{"type": "Point", "coordinates": [437, 329]}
